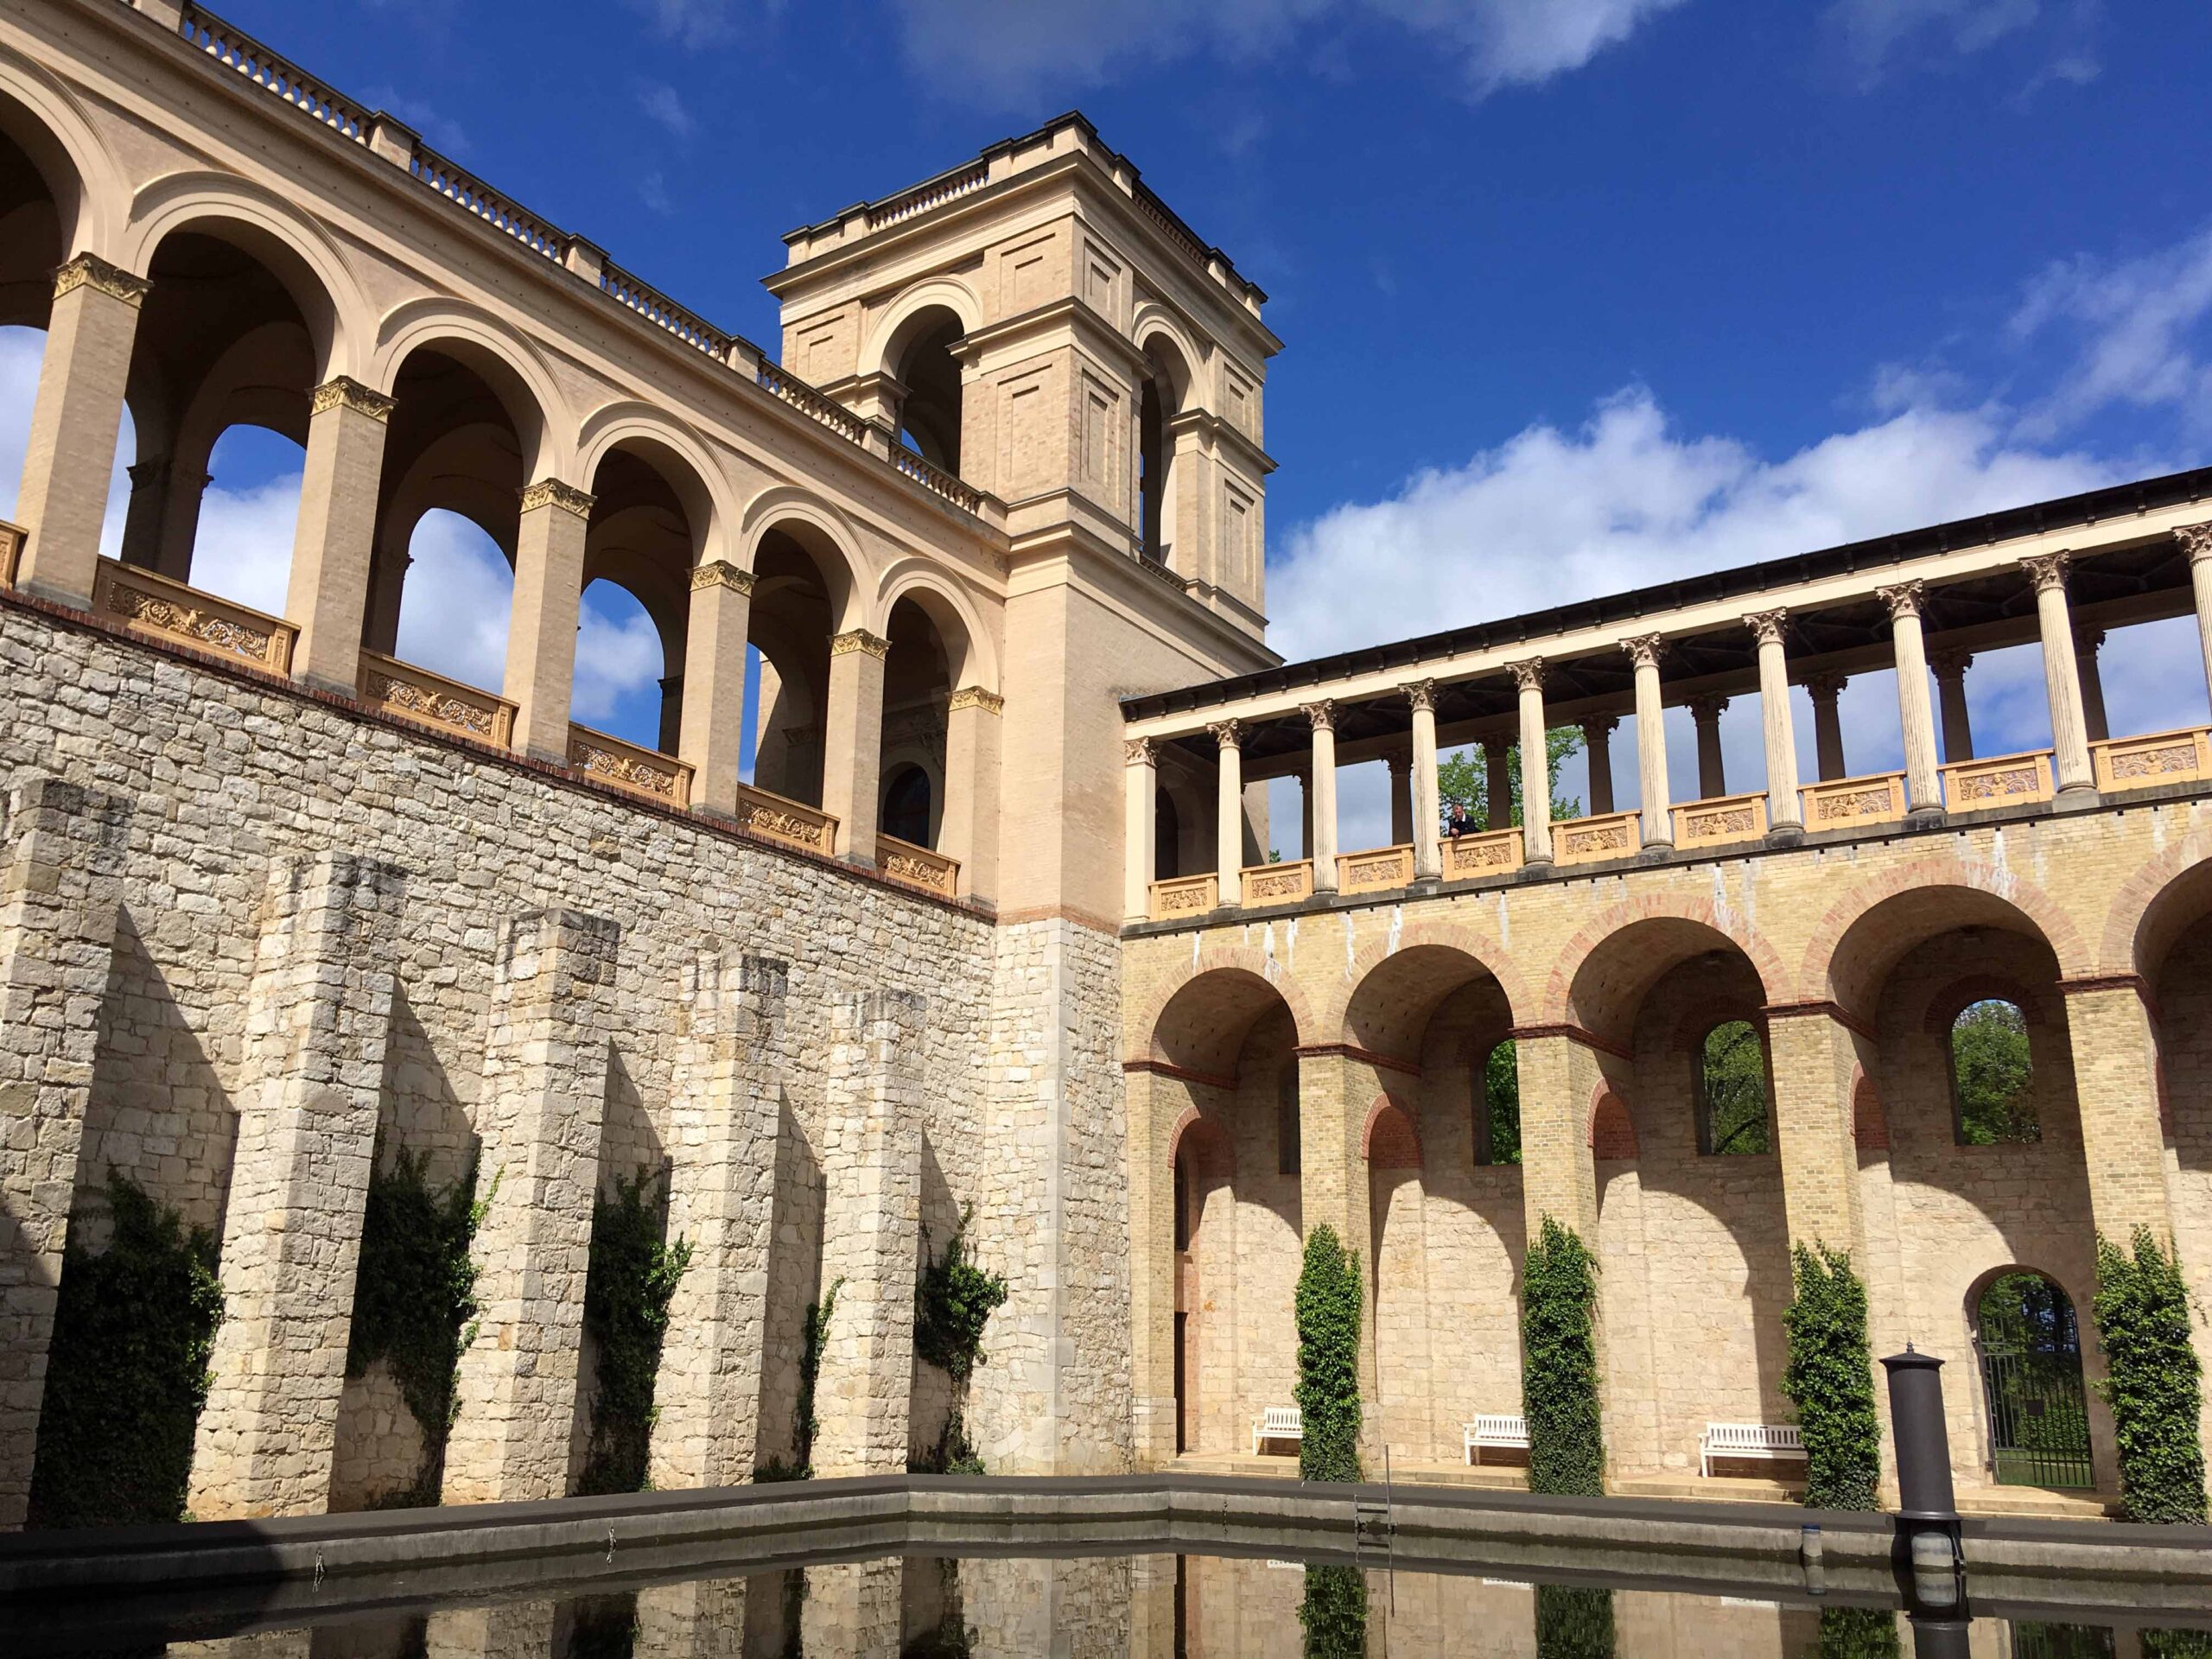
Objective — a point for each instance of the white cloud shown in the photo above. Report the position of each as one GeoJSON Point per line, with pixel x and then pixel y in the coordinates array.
{"type": "Point", "coordinates": [618, 659]}
{"type": "Point", "coordinates": [690, 22]}
{"type": "Point", "coordinates": [1880, 36]}
{"type": "Point", "coordinates": [2144, 328]}
{"type": "Point", "coordinates": [661, 103]}
{"type": "Point", "coordinates": [653, 190]}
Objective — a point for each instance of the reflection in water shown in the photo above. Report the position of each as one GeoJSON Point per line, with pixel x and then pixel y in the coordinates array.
{"type": "Point", "coordinates": [1141, 1607]}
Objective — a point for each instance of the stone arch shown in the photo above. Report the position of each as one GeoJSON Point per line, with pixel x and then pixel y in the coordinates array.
{"type": "Point", "coordinates": [1390, 1139]}
{"type": "Point", "coordinates": [968, 651]}
{"type": "Point", "coordinates": [1612, 1130]}
{"type": "Point", "coordinates": [1954, 999]}
{"type": "Point", "coordinates": [1228, 961]}
{"type": "Point", "coordinates": [822, 529]}
{"type": "Point", "coordinates": [509, 364]}
{"type": "Point", "coordinates": [679, 453]}
{"type": "Point", "coordinates": [47, 120]}
{"type": "Point", "coordinates": [1212, 1153]}
{"type": "Point", "coordinates": [2155, 905]}
{"type": "Point", "coordinates": [1154, 321]}
{"type": "Point", "coordinates": [908, 313]}
{"type": "Point", "coordinates": [1599, 970]}
{"type": "Point", "coordinates": [1460, 935]}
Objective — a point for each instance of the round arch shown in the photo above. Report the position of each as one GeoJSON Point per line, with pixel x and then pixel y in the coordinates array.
{"type": "Point", "coordinates": [1212, 1153]}
{"type": "Point", "coordinates": [825, 534]}
{"type": "Point", "coordinates": [506, 363]}
{"type": "Point", "coordinates": [908, 316]}
{"type": "Point", "coordinates": [2155, 905]}
{"type": "Point", "coordinates": [1604, 971]}
{"type": "Point", "coordinates": [44, 119]}
{"type": "Point", "coordinates": [968, 651]}
{"type": "Point", "coordinates": [1870, 929]}
{"type": "Point", "coordinates": [1156, 322]}
{"type": "Point", "coordinates": [1391, 1138]}
{"type": "Point", "coordinates": [1198, 1021]}
{"type": "Point", "coordinates": [1461, 938]}
{"type": "Point", "coordinates": [675, 451]}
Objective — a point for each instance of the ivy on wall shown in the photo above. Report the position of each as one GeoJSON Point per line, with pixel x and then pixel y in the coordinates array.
{"type": "Point", "coordinates": [127, 1373]}
{"type": "Point", "coordinates": [1333, 1611]}
{"type": "Point", "coordinates": [1559, 1364]}
{"type": "Point", "coordinates": [954, 1301]}
{"type": "Point", "coordinates": [415, 1299]}
{"type": "Point", "coordinates": [631, 1279]}
{"type": "Point", "coordinates": [2175, 1644]}
{"type": "Point", "coordinates": [1573, 1621]}
{"type": "Point", "coordinates": [1830, 1380]}
{"type": "Point", "coordinates": [1327, 1392]}
{"type": "Point", "coordinates": [2154, 1380]}
{"type": "Point", "coordinates": [1858, 1633]}
{"type": "Point", "coordinates": [800, 1466]}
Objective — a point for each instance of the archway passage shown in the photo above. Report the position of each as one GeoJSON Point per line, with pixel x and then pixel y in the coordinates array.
{"type": "Point", "coordinates": [799, 598]}
{"type": "Point", "coordinates": [648, 519]}
{"type": "Point", "coordinates": [916, 690]}
{"type": "Point", "coordinates": [922, 361]}
{"type": "Point", "coordinates": [1166, 385]}
{"type": "Point", "coordinates": [2030, 1348]}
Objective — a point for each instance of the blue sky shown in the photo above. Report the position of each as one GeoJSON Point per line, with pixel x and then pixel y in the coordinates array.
{"type": "Point", "coordinates": [1577, 294]}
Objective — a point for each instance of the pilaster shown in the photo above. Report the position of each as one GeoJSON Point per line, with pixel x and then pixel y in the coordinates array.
{"type": "Point", "coordinates": [968, 831]}
{"type": "Point", "coordinates": [1559, 1078]}
{"type": "Point", "coordinates": [1814, 1059]}
{"type": "Point", "coordinates": [712, 729]}
{"type": "Point", "coordinates": [328, 593]}
{"type": "Point", "coordinates": [2117, 1083]}
{"type": "Point", "coordinates": [542, 633]}
{"type": "Point", "coordinates": [851, 746]}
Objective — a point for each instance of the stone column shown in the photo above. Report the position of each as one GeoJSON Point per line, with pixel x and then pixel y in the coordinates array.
{"type": "Point", "coordinates": [163, 492]}
{"type": "Point", "coordinates": [2069, 740]}
{"type": "Point", "coordinates": [969, 831]}
{"type": "Point", "coordinates": [1155, 1103]}
{"type": "Point", "coordinates": [328, 593]}
{"type": "Point", "coordinates": [698, 1618]}
{"type": "Point", "coordinates": [872, 1170]}
{"type": "Point", "coordinates": [2116, 1081]}
{"type": "Point", "coordinates": [1783, 810]}
{"type": "Point", "coordinates": [711, 734]}
{"type": "Point", "coordinates": [1827, 690]}
{"type": "Point", "coordinates": [1497, 782]}
{"type": "Point", "coordinates": [539, 1115]}
{"type": "Point", "coordinates": [1401, 766]}
{"type": "Point", "coordinates": [1140, 827]}
{"type": "Point", "coordinates": [1322, 794]}
{"type": "Point", "coordinates": [542, 634]}
{"type": "Point", "coordinates": [1429, 862]}
{"type": "Point", "coordinates": [852, 743]}
{"type": "Point", "coordinates": [1650, 743]}
{"type": "Point", "coordinates": [1923, 783]}
{"type": "Point", "coordinates": [2196, 541]}
{"type": "Point", "coordinates": [1535, 763]}
{"type": "Point", "coordinates": [1951, 665]}
{"type": "Point", "coordinates": [318, 1015]}
{"type": "Point", "coordinates": [1814, 1059]}
{"type": "Point", "coordinates": [2087, 643]}
{"type": "Point", "coordinates": [1559, 1078]}
{"type": "Point", "coordinates": [74, 425]}
{"type": "Point", "coordinates": [1712, 766]}
{"type": "Point", "coordinates": [1598, 747]}
{"type": "Point", "coordinates": [855, 1609]}
{"type": "Point", "coordinates": [60, 886]}
{"type": "Point", "coordinates": [1228, 820]}
{"type": "Point", "coordinates": [725, 1115]}
{"type": "Point", "coordinates": [1334, 1092]}
{"type": "Point", "coordinates": [507, 1630]}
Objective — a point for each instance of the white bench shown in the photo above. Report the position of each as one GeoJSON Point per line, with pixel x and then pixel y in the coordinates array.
{"type": "Point", "coordinates": [1506, 1430]}
{"type": "Point", "coordinates": [1278, 1423]}
{"type": "Point", "coordinates": [1747, 1440]}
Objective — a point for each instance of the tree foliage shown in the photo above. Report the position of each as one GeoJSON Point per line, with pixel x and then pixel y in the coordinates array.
{"type": "Point", "coordinates": [631, 1281]}
{"type": "Point", "coordinates": [954, 1300]}
{"type": "Point", "coordinates": [1830, 1380]}
{"type": "Point", "coordinates": [1858, 1633]}
{"type": "Point", "coordinates": [1731, 1090]}
{"type": "Point", "coordinates": [1991, 1071]}
{"type": "Point", "coordinates": [1333, 1612]}
{"type": "Point", "coordinates": [1327, 1392]}
{"type": "Point", "coordinates": [2152, 1381]}
{"type": "Point", "coordinates": [1573, 1621]}
{"type": "Point", "coordinates": [1501, 1077]}
{"type": "Point", "coordinates": [1559, 1364]}
{"type": "Point", "coordinates": [1464, 776]}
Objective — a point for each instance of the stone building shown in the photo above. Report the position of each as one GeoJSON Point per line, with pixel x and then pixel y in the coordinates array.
{"type": "Point", "coordinates": [966, 910]}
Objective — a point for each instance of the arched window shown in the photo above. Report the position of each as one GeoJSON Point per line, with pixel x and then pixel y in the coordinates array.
{"type": "Point", "coordinates": [906, 806]}
{"type": "Point", "coordinates": [1495, 1106]}
{"type": "Point", "coordinates": [1732, 1116]}
{"type": "Point", "coordinates": [1991, 1100]}
{"type": "Point", "coordinates": [2031, 1352]}
{"type": "Point", "coordinates": [1287, 1147]}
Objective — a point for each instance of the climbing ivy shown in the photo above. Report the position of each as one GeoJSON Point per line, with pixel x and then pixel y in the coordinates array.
{"type": "Point", "coordinates": [414, 1301]}
{"type": "Point", "coordinates": [1327, 1391]}
{"type": "Point", "coordinates": [2152, 1383]}
{"type": "Point", "coordinates": [1830, 1380]}
{"type": "Point", "coordinates": [127, 1372]}
{"type": "Point", "coordinates": [954, 1300]}
{"type": "Point", "coordinates": [801, 1466]}
{"type": "Point", "coordinates": [954, 1452]}
{"type": "Point", "coordinates": [633, 1278]}
{"type": "Point", "coordinates": [1334, 1611]}
{"type": "Point", "coordinates": [1858, 1633]}
{"type": "Point", "coordinates": [1558, 1365]}
{"type": "Point", "coordinates": [1573, 1621]}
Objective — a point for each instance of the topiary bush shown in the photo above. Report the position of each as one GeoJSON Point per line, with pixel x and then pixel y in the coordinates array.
{"type": "Point", "coordinates": [1333, 1612]}
{"type": "Point", "coordinates": [1830, 1380]}
{"type": "Point", "coordinates": [1573, 1621]}
{"type": "Point", "coordinates": [800, 1466]}
{"type": "Point", "coordinates": [2154, 1380]}
{"type": "Point", "coordinates": [1559, 1364]}
{"type": "Point", "coordinates": [1327, 1393]}
{"type": "Point", "coordinates": [127, 1372]}
{"type": "Point", "coordinates": [631, 1281]}
{"type": "Point", "coordinates": [1858, 1633]}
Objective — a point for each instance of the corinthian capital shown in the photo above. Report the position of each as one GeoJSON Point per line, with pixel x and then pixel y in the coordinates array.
{"type": "Point", "coordinates": [1321, 715]}
{"type": "Point", "coordinates": [1642, 649]}
{"type": "Point", "coordinates": [2048, 570]}
{"type": "Point", "coordinates": [1904, 598]}
{"type": "Point", "coordinates": [89, 270]}
{"type": "Point", "coordinates": [1139, 750]}
{"type": "Point", "coordinates": [1229, 733]}
{"type": "Point", "coordinates": [1422, 694]}
{"type": "Point", "coordinates": [2196, 541]}
{"type": "Point", "coordinates": [552, 493]}
{"type": "Point", "coordinates": [1528, 675]}
{"type": "Point", "coordinates": [1767, 625]}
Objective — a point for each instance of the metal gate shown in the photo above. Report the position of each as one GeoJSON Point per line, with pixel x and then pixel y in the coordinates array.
{"type": "Point", "coordinates": [2031, 1382]}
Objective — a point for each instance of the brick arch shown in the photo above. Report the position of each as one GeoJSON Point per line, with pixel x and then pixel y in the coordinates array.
{"type": "Point", "coordinates": [1558, 1003]}
{"type": "Point", "coordinates": [2141, 927]}
{"type": "Point", "coordinates": [1390, 1139]}
{"type": "Point", "coordinates": [1479, 944]}
{"type": "Point", "coordinates": [1959, 994]}
{"type": "Point", "coordinates": [1613, 1131]}
{"type": "Point", "coordinates": [1218, 959]}
{"type": "Point", "coordinates": [1212, 1153]}
{"type": "Point", "coordinates": [1870, 1122]}
{"type": "Point", "coordinates": [1698, 1024]}
{"type": "Point", "coordinates": [2029, 904]}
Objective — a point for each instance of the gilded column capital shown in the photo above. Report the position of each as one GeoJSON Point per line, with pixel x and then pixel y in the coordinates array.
{"type": "Point", "coordinates": [1950, 661]}
{"type": "Point", "coordinates": [2047, 571]}
{"type": "Point", "coordinates": [343, 391]}
{"type": "Point", "coordinates": [89, 270]}
{"type": "Point", "coordinates": [2196, 541]}
{"type": "Point", "coordinates": [1825, 686]}
{"type": "Point", "coordinates": [1767, 627]}
{"type": "Point", "coordinates": [1422, 694]}
{"type": "Point", "coordinates": [974, 696]}
{"type": "Point", "coordinates": [1321, 715]}
{"type": "Point", "coordinates": [1139, 751]}
{"type": "Point", "coordinates": [1528, 675]}
{"type": "Point", "coordinates": [1227, 733]}
{"type": "Point", "coordinates": [1904, 598]}
{"type": "Point", "coordinates": [552, 493]}
{"type": "Point", "coordinates": [860, 640]}
{"type": "Point", "coordinates": [1642, 649]}
{"type": "Point", "coordinates": [721, 573]}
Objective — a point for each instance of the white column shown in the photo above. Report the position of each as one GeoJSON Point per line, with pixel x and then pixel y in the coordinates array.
{"type": "Point", "coordinates": [1429, 862]}
{"type": "Point", "coordinates": [1323, 795]}
{"type": "Point", "coordinates": [1782, 811]}
{"type": "Point", "coordinates": [1650, 742]}
{"type": "Point", "coordinates": [2069, 740]}
{"type": "Point", "coordinates": [1924, 789]}
{"type": "Point", "coordinates": [1712, 763]}
{"type": "Point", "coordinates": [1140, 827]}
{"type": "Point", "coordinates": [1536, 764]}
{"type": "Point", "coordinates": [1950, 665]}
{"type": "Point", "coordinates": [2087, 643]}
{"type": "Point", "coordinates": [1229, 835]}
{"type": "Point", "coordinates": [2196, 542]}
{"type": "Point", "coordinates": [1598, 747]}
{"type": "Point", "coordinates": [1827, 724]}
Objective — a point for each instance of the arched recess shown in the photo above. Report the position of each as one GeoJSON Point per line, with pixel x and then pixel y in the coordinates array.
{"type": "Point", "coordinates": [652, 517]}
{"type": "Point", "coordinates": [2035, 1422]}
{"type": "Point", "coordinates": [1166, 393]}
{"type": "Point", "coordinates": [918, 680]}
{"type": "Point", "coordinates": [913, 347]}
{"type": "Point", "coordinates": [805, 587]}
{"type": "Point", "coordinates": [43, 120]}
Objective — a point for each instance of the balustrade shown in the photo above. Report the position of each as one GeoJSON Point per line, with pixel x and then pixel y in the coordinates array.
{"type": "Point", "coordinates": [1843, 803]}
{"type": "Point", "coordinates": [463, 189]}
{"type": "Point", "coordinates": [181, 614]}
{"type": "Point", "coordinates": [1376, 871]}
{"type": "Point", "coordinates": [2125, 763]}
{"type": "Point", "coordinates": [1467, 858]}
{"type": "Point", "coordinates": [236, 50]}
{"type": "Point", "coordinates": [1722, 821]}
{"type": "Point", "coordinates": [809, 402]}
{"type": "Point", "coordinates": [917, 867]}
{"type": "Point", "coordinates": [657, 307]}
{"type": "Point", "coordinates": [791, 824]}
{"type": "Point", "coordinates": [1184, 895]}
{"type": "Point", "coordinates": [644, 772]}
{"type": "Point", "coordinates": [406, 692]}
{"type": "Point", "coordinates": [935, 192]}
{"type": "Point", "coordinates": [2000, 781]}
{"type": "Point", "coordinates": [1592, 841]}
{"type": "Point", "coordinates": [1278, 883]}
{"type": "Point", "coordinates": [11, 551]}
{"type": "Point", "coordinates": [936, 480]}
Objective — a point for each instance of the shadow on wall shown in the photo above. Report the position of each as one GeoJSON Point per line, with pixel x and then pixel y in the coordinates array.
{"type": "Point", "coordinates": [794, 1285]}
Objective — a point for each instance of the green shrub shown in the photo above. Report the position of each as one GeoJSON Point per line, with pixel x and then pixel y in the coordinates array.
{"type": "Point", "coordinates": [1830, 1380]}
{"type": "Point", "coordinates": [1502, 1103]}
{"type": "Point", "coordinates": [414, 1298]}
{"type": "Point", "coordinates": [800, 1466]}
{"type": "Point", "coordinates": [1573, 1621]}
{"type": "Point", "coordinates": [1558, 1365]}
{"type": "Point", "coordinates": [127, 1373]}
{"type": "Point", "coordinates": [1858, 1633]}
{"type": "Point", "coordinates": [631, 1279]}
{"type": "Point", "coordinates": [1990, 1073]}
{"type": "Point", "coordinates": [954, 1453]}
{"type": "Point", "coordinates": [1327, 1393]}
{"type": "Point", "coordinates": [2176, 1645]}
{"type": "Point", "coordinates": [2143, 1325]}
{"type": "Point", "coordinates": [1334, 1612]}
{"type": "Point", "coordinates": [954, 1300]}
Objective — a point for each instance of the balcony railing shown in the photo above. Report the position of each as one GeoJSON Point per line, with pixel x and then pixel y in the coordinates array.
{"type": "Point", "coordinates": [235, 49]}
{"type": "Point", "coordinates": [1183, 895]}
{"type": "Point", "coordinates": [415, 694]}
{"type": "Point", "coordinates": [2125, 763]}
{"type": "Point", "coordinates": [794, 823]}
{"type": "Point", "coordinates": [1844, 803]}
{"type": "Point", "coordinates": [1375, 871]}
{"type": "Point", "coordinates": [644, 772]}
{"type": "Point", "coordinates": [1277, 884]}
{"type": "Point", "coordinates": [657, 307]}
{"type": "Point", "coordinates": [805, 399]}
{"type": "Point", "coordinates": [1720, 821]}
{"type": "Point", "coordinates": [1592, 841]}
{"type": "Point", "coordinates": [936, 480]}
{"type": "Point", "coordinates": [918, 867]}
{"type": "Point", "coordinates": [146, 603]}
{"type": "Point", "coordinates": [2002, 781]}
{"type": "Point", "coordinates": [11, 551]}
{"type": "Point", "coordinates": [931, 194]}
{"type": "Point", "coordinates": [1468, 858]}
